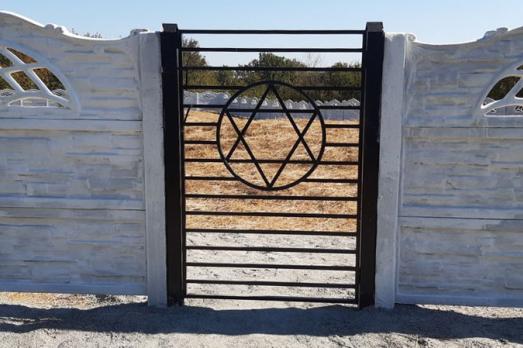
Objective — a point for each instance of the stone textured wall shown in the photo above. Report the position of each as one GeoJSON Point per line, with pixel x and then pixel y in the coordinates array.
{"type": "Point", "coordinates": [460, 237]}
{"type": "Point", "coordinates": [72, 181]}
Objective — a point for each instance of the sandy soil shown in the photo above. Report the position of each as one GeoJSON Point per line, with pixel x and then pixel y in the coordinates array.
{"type": "Point", "coordinates": [28, 320]}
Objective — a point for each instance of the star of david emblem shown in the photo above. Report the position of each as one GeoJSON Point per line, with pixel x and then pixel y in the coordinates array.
{"type": "Point", "coordinates": [252, 133]}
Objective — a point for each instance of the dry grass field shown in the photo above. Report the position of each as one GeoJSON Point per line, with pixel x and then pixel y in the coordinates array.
{"type": "Point", "coordinates": [270, 139]}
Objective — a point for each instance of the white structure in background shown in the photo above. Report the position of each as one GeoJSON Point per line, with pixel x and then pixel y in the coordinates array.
{"type": "Point", "coordinates": [202, 98]}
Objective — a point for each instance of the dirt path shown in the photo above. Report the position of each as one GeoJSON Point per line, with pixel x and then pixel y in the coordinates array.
{"type": "Point", "coordinates": [88, 321]}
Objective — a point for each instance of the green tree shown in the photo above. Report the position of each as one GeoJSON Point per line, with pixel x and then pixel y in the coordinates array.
{"type": "Point", "coordinates": [303, 78]}
{"type": "Point", "coordinates": [344, 79]}
{"type": "Point", "coordinates": [196, 59]}
{"type": "Point", "coordinates": [270, 60]}
{"type": "Point", "coordinates": [226, 78]}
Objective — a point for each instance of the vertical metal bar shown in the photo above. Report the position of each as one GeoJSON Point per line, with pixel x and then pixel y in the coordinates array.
{"type": "Point", "coordinates": [360, 167]}
{"type": "Point", "coordinates": [371, 104]}
{"type": "Point", "coordinates": [182, 118]}
{"type": "Point", "coordinates": [173, 152]}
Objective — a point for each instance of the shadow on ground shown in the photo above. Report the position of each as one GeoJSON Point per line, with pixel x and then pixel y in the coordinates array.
{"type": "Point", "coordinates": [319, 321]}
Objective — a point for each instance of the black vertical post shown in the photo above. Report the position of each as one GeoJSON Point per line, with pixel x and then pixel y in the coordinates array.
{"type": "Point", "coordinates": [373, 41]}
{"type": "Point", "coordinates": [171, 42]}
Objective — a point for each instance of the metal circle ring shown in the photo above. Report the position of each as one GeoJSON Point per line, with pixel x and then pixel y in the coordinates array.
{"type": "Point", "coordinates": [314, 163]}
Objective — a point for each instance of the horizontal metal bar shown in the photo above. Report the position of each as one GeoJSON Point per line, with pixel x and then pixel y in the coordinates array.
{"type": "Point", "coordinates": [271, 283]}
{"type": "Point", "coordinates": [321, 107]}
{"type": "Point", "coordinates": [271, 214]}
{"type": "Point", "coordinates": [274, 298]}
{"type": "Point", "coordinates": [332, 181]}
{"type": "Point", "coordinates": [272, 49]}
{"type": "Point", "coordinates": [271, 68]}
{"type": "Point", "coordinates": [277, 198]}
{"type": "Point", "coordinates": [271, 249]}
{"type": "Point", "coordinates": [219, 160]}
{"type": "Point", "coordinates": [271, 32]}
{"type": "Point", "coordinates": [187, 87]}
{"type": "Point", "coordinates": [342, 144]}
{"type": "Point", "coordinates": [275, 232]}
{"type": "Point", "coordinates": [262, 110]}
{"type": "Point", "coordinates": [200, 142]}
{"type": "Point", "coordinates": [200, 124]}
{"type": "Point", "coordinates": [271, 266]}
{"type": "Point", "coordinates": [230, 178]}
{"type": "Point", "coordinates": [340, 125]}
{"type": "Point", "coordinates": [338, 107]}
{"type": "Point", "coordinates": [305, 88]}
{"type": "Point", "coordinates": [211, 178]}
{"type": "Point", "coordinates": [204, 106]}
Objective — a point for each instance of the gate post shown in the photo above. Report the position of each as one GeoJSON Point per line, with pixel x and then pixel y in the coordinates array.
{"type": "Point", "coordinates": [171, 42]}
{"type": "Point", "coordinates": [372, 66]}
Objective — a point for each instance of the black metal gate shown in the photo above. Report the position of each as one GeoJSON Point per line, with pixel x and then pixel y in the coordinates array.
{"type": "Point", "coordinates": [271, 187]}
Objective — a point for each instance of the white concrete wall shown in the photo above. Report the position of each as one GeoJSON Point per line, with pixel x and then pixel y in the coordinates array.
{"type": "Point", "coordinates": [72, 203]}
{"type": "Point", "coordinates": [455, 233]}
{"type": "Point", "coordinates": [82, 187]}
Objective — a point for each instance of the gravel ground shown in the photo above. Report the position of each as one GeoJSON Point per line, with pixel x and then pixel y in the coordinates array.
{"type": "Point", "coordinates": [28, 320]}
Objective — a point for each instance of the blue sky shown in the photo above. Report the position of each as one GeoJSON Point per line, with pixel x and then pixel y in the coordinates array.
{"type": "Point", "coordinates": [441, 21]}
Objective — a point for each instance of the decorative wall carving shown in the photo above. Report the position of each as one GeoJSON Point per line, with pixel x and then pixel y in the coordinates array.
{"type": "Point", "coordinates": [508, 102]}
{"type": "Point", "coordinates": [20, 66]}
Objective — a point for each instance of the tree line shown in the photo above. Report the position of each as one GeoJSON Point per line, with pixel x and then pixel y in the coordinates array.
{"type": "Point", "coordinates": [295, 78]}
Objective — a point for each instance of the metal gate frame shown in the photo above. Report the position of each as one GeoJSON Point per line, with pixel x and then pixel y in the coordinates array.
{"type": "Point", "coordinates": [173, 111]}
